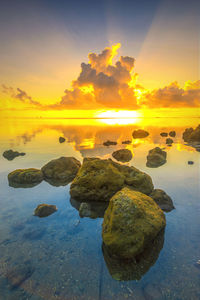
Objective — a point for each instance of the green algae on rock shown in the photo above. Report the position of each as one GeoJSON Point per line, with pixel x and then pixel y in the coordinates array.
{"type": "Point", "coordinates": [99, 179]}
{"type": "Point", "coordinates": [156, 158]}
{"type": "Point", "coordinates": [123, 155]}
{"type": "Point", "coordinates": [44, 210]}
{"type": "Point", "coordinates": [10, 154]}
{"type": "Point", "coordinates": [25, 176]}
{"type": "Point", "coordinates": [61, 171]}
{"type": "Point", "coordinates": [139, 134]}
{"type": "Point", "coordinates": [162, 199]}
{"type": "Point", "coordinates": [131, 221]}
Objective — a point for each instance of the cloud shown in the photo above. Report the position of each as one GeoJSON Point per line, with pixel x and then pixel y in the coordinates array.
{"type": "Point", "coordinates": [19, 94]}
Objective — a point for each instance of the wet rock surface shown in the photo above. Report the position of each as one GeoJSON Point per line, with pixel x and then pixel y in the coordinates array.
{"type": "Point", "coordinates": [134, 269]}
{"type": "Point", "coordinates": [61, 139]}
{"type": "Point", "coordinates": [10, 154]}
{"type": "Point", "coordinates": [162, 199]}
{"type": "Point", "coordinates": [99, 179]}
{"type": "Point", "coordinates": [131, 221]}
{"type": "Point", "coordinates": [123, 155]}
{"type": "Point", "coordinates": [156, 158]}
{"type": "Point", "coordinates": [109, 143]}
{"type": "Point", "coordinates": [61, 171]}
{"type": "Point", "coordinates": [44, 210]}
{"type": "Point", "coordinates": [191, 135]}
{"type": "Point", "coordinates": [25, 177]}
{"type": "Point", "coordinates": [140, 133]}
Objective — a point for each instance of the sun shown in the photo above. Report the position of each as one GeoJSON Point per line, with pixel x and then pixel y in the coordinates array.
{"type": "Point", "coordinates": [118, 114]}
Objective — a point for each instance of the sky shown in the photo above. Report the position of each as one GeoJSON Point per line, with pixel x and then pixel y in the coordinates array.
{"type": "Point", "coordinates": [45, 43]}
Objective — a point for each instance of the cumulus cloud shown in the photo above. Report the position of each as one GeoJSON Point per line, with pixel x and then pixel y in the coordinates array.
{"type": "Point", "coordinates": [19, 94]}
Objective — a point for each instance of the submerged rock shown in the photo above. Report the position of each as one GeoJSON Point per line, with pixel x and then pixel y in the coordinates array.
{"type": "Point", "coordinates": [22, 177]}
{"type": "Point", "coordinates": [191, 135]}
{"type": "Point", "coordinates": [172, 133]}
{"type": "Point", "coordinates": [162, 199]}
{"type": "Point", "coordinates": [131, 221]}
{"type": "Point", "coordinates": [17, 275]}
{"type": "Point", "coordinates": [121, 269]}
{"type": "Point", "coordinates": [156, 158]}
{"type": "Point", "coordinates": [61, 139]}
{"type": "Point", "coordinates": [109, 143]}
{"type": "Point", "coordinates": [10, 154]}
{"type": "Point", "coordinates": [169, 141]}
{"type": "Point", "coordinates": [44, 210]}
{"type": "Point", "coordinates": [127, 142]}
{"type": "Point", "coordinates": [164, 134]}
{"type": "Point", "coordinates": [99, 179]}
{"type": "Point", "coordinates": [140, 133]}
{"type": "Point", "coordinates": [61, 171]}
{"type": "Point", "coordinates": [123, 155]}
{"type": "Point", "coordinates": [92, 209]}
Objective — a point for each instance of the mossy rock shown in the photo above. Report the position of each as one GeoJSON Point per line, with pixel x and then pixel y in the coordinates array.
{"type": "Point", "coordinates": [131, 221]}
{"type": "Point", "coordinates": [162, 199]}
{"type": "Point", "coordinates": [61, 171]}
{"type": "Point", "coordinates": [25, 176]}
{"type": "Point", "coordinates": [139, 134]}
{"type": "Point", "coordinates": [99, 179]}
{"type": "Point", "coordinates": [10, 154]}
{"type": "Point", "coordinates": [44, 210]}
{"type": "Point", "coordinates": [123, 155]}
{"type": "Point", "coordinates": [156, 158]}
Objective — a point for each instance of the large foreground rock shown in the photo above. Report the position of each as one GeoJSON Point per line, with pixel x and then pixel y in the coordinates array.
{"type": "Point", "coordinates": [10, 154]}
{"type": "Point", "coordinates": [162, 199]}
{"type": "Point", "coordinates": [61, 171]}
{"type": "Point", "coordinates": [156, 158]}
{"type": "Point", "coordinates": [140, 133]}
{"type": "Point", "coordinates": [191, 135]}
{"type": "Point", "coordinates": [44, 210]}
{"type": "Point", "coordinates": [123, 155]}
{"type": "Point", "coordinates": [25, 176]}
{"type": "Point", "coordinates": [131, 221]}
{"type": "Point", "coordinates": [99, 179]}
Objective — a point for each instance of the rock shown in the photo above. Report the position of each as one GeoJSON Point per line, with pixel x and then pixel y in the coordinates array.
{"type": "Point", "coordinates": [44, 210]}
{"type": "Point", "coordinates": [169, 141]}
{"type": "Point", "coordinates": [140, 133]}
{"type": "Point", "coordinates": [172, 133]}
{"type": "Point", "coordinates": [25, 177]}
{"type": "Point", "coordinates": [17, 275]}
{"type": "Point", "coordinates": [99, 179]}
{"type": "Point", "coordinates": [126, 142]}
{"type": "Point", "coordinates": [61, 171]}
{"type": "Point", "coordinates": [121, 269]}
{"type": "Point", "coordinates": [10, 154]}
{"type": "Point", "coordinates": [164, 134]}
{"type": "Point", "coordinates": [191, 135]}
{"type": "Point", "coordinates": [162, 199]}
{"type": "Point", "coordinates": [156, 158]}
{"type": "Point", "coordinates": [61, 139]}
{"type": "Point", "coordinates": [190, 162]}
{"type": "Point", "coordinates": [131, 221]}
{"type": "Point", "coordinates": [92, 209]}
{"type": "Point", "coordinates": [122, 155]}
{"type": "Point", "coordinates": [109, 143]}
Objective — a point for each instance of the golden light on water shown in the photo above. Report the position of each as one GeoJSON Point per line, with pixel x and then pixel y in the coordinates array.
{"type": "Point", "coordinates": [118, 117]}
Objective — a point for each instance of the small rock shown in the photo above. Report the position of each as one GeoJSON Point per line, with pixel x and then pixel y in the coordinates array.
{"type": "Point", "coordinates": [18, 275]}
{"type": "Point", "coordinates": [123, 155]}
{"type": "Point", "coordinates": [190, 162]}
{"type": "Point", "coordinates": [156, 158]}
{"type": "Point", "coordinates": [10, 154]}
{"type": "Point", "coordinates": [61, 139]}
{"type": "Point", "coordinates": [126, 142]}
{"type": "Point", "coordinates": [164, 134]}
{"type": "Point", "coordinates": [172, 133]}
{"type": "Point", "coordinates": [191, 135]}
{"type": "Point", "coordinates": [109, 143]}
{"type": "Point", "coordinates": [84, 210]}
{"type": "Point", "coordinates": [44, 210]}
{"type": "Point", "coordinates": [140, 133]}
{"type": "Point", "coordinates": [162, 199]}
{"type": "Point", "coordinates": [25, 176]}
{"type": "Point", "coordinates": [169, 141]}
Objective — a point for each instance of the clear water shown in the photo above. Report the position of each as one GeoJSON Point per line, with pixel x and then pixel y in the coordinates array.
{"type": "Point", "coordinates": [60, 257]}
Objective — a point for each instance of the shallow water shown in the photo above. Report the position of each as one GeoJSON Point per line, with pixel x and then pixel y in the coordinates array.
{"type": "Point", "coordinates": [61, 257]}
